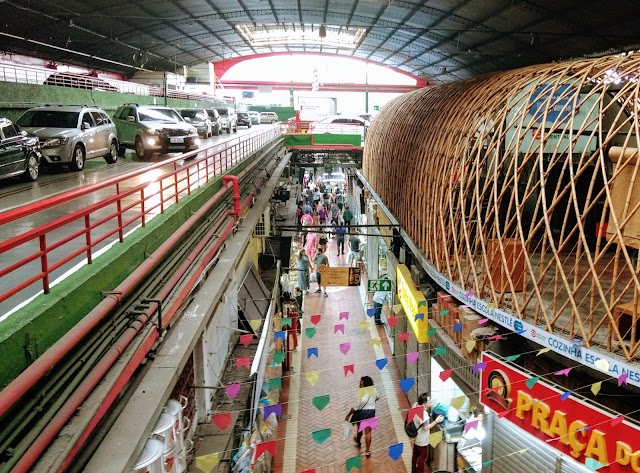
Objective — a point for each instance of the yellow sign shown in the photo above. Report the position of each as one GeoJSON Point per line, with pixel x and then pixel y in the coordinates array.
{"type": "Point", "coordinates": [413, 303]}
{"type": "Point", "coordinates": [339, 275]}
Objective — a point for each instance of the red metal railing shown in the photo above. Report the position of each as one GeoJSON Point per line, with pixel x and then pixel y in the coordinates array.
{"type": "Point", "coordinates": [118, 206]}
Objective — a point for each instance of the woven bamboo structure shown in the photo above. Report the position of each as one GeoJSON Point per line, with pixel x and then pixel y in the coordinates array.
{"type": "Point", "coordinates": [523, 187]}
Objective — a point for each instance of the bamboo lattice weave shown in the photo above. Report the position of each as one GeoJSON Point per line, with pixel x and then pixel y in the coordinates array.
{"type": "Point", "coordinates": [523, 186]}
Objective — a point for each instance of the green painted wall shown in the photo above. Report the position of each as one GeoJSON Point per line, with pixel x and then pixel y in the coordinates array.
{"type": "Point", "coordinates": [305, 139]}
{"type": "Point", "coordinates": [284, 113]}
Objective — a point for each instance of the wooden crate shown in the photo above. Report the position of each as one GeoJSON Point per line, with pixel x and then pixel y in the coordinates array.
{"type": "Point", "coordinates": [511, 266]}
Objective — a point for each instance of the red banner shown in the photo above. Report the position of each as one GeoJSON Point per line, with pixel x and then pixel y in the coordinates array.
{"type": "Point", "coordinates": [570, 426]}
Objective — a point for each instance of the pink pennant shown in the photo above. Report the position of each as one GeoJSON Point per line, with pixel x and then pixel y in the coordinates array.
{"type": "Point", "coordinates": [617, 421]}
{"type": "Point", "coordinates": [495, 389]}
{"type": "Point", "coordinates": [338, 328]}
{"type": "Point", "coordinates": [482, 321]}
{"type": "Point", "coordinates": [392, 321]}
{"type": "Point", "coordinates": [371, 422]}
{"type": "Point", "coordinates": [315, 319]}
{"type": "Point", "coordinates": [243, 361]}
{"type": "Point", "coordinates": [469, 294]}
{"type": "Point", "coordinates": [565, 372]}
{"type": "Point", "coordinates": [222, 421]}
{"type": "Point", "coordinates": [343, 315]}
{"type": "Point", "coordinates": [232, 390]}
{"type": "Point", "coordinates": [503, 413]}
{"type": "Point", "coordinates": [310, 470]}
{"type": "Point", "coordinates": [246, 339]}
{"type": "Point", "coordinates": [412, 357]}
{"type": "Point", "coordinates": [622, 379]}
{"type": "Point", "coordinates": [347, 369]}
{"type": "Point", "coordinates": [445, 374]}
{"type": "Point", "coordinates": [495, 337]}
{"type": "Point", "coordinates": [471, 425]}
{"type": "Point", "coordinates": [552, 440]}
{"type": "Point", "coordinates": [404, 337]}
{"type": "Point", "coordinates": [345, 347]}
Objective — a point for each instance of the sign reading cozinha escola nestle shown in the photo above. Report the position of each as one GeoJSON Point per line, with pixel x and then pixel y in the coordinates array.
{"type": "Point", "coordinates": [571, 425]}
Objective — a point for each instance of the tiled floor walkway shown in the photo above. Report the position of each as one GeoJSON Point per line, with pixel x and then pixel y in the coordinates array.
{"type": "Point", "coordinates": [300, 453]}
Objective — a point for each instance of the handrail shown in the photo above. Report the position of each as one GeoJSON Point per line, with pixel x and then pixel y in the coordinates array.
{"type": "Point", "coordinates": [123, 203]}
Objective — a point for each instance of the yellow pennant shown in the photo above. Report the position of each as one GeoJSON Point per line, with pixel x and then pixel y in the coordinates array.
{"type": "Point", "coordinates": [255, 325]}
{"type": "Point", "coordinates": [523, 451]}
{"type": "Point", "coordinates": [543, 350]}
{"type": "Point", "coordinates": [470, 345]}
{"type": "Point", "coordinates": [367, 391]}
{"type": "Point", "coordinates": [457, 402]}
{"type": "Point", "coordinates": [374, 342]}
{"type": "Point", "coordinates": [397, 308]}
{"type": "Point", "coordinates": [206, 463]}
{"type": "Point", "coordinates": [435, 438]}
{"type": "Point", "coordinates": [312, 377]}
{"type": "Point", "coordinates": [595, 388]}
{"type": "Point", "coordinates": [365, 324]}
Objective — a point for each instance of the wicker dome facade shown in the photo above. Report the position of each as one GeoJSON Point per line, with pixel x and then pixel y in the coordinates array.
{"type": "Point", "coordinates": [523, 187]}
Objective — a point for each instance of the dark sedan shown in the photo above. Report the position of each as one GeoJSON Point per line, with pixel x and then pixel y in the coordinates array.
{"type": "Point", "coordinates": [244, 119]}
{"type": "Point", "coordinates": [19, 152]}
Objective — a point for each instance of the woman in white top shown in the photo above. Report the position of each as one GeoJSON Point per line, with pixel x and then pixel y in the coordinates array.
{"type": "Point", "coordinates": [365, 408]}
{"type": "Point", "coordinates": [424, 425]}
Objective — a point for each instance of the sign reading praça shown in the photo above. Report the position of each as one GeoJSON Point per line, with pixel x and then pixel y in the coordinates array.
{"type": "Point", "coordinates": [413, 303]}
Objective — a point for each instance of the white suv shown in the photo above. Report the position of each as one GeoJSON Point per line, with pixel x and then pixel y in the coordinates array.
{"type": "Point", "coordinates": [71, 134]}
{"type": "Point", "coordinates": [268, 117]}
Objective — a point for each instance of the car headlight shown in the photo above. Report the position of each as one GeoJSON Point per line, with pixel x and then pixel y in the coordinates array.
{"type": "Point", "coordinates": [192, 131]}
{"type": "Point", "coordinates": [153, 131]}
{"type": "Point", "coordinates": [54, 142]}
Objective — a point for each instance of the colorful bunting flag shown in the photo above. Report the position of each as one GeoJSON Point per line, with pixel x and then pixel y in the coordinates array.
{"type": "Point", "coordinates": [372, 422]}
{"type": "Point", "coordinates": [315, 319]}
{"type": "Point", "coordinates": [255, 324]}
{"type": "Point", "coordinates": [397, 308]}
{"type": "Point", "coordinates": [445, 374]}
{"type": "Point", "coordinates": [312, 351]}
{"type": "Point", "coordinates": [566, 395]}
{"type": "Point", "coordinates": [310, 332]}
{"type": "Point", "coordinates": [403, 337]}
{"type": "Point", "coordinates": [273, 409]}
{"type": "Point", "coordinates": [435, 438]}
{"type": "Point", "coordinates": [282, 335]}
{"type": "Point", "coordinates": [431, 332]}
{"type": "Point", "coordinates": [343, 315]}
{"type": "Point", "coordinates": [469, 294]}
{"type": "Point", "coordinates": [395, 451]}
{"type": "Point", "coordinates": [246, 339]}
{"type": "Point", "coordinates": [419, 317]}
{"type": "Point", "coordinates": [371, 311]}
{"type": "Point", "coordinates": [440, 351]}
{"type": "Point", "coordinates": [443, 312]}
{"type": "Point", "coordinates": [353, 462]}
{"type": "Point", "coordinates": [470, 345]}
{"type": "Point", "coordinates": [321, 436]}
{"type": "Point", "coordinates": [523, 451]}
{"type": "Point", "coordinates": [374, 342]}
{"type": "Point", "coordinates": [320, 402]}
{"type": "Point", "coordinates": [595, 388]}
{"type": "Point", "coordinates": [479, 366]}
{"type": "Point", "coordinates": [473, 424]}
{"type": "Point", "coordinates": [392, 321]}
{"type": "Point", "coordinates": [622, 379]}
{"type": "Point", "coordinates": [345, 347]}
{"type": "Point", "coordinates": [617, 421]}
{"type": "Point", "coordinates": [274, 383]}
{"type": "Point", "coordinates": [312, 377]}
{"type": "Point", "coordinates": [487, 463]}
{"type": "Point", "coordinates": [232, 390]}
{"type": "Point", "coordinates": [602, 365]}
{"type": "Point", "coordinates": [286, 322]}
{"type": "Point", "coordinates": [593, 464]}
{"type": "Point", "coordinates": [265, 447]}
{"type": "Point", "coordinates": [482, 321]}
{"type": "Point", "coordinates": [531, 382]}
{"type": "Point", "coordinates": [503, 413]}
{"type": "Point", "coordinates": [221, 420]}
{"type": "Point", "coordinates": [366, 391]}
{"type": "Point", "coordinates": [458, 402]}
{"type": "Point", "coordinates": [514, 357]}
{"type": "Point", "coordinates": [348, 369]}
{"type": "Point", "coordinates": [310, 470]}
{"type": "Point", "coordinates": [492, 305]}
{"type": "Point", "coordinates": [406, 384]}
{"type": "Point", "coordinates": [207, 462]}
{"type": "Point", "coordinates": [521, 331]}
{"type": "Point", "coordinates": [365, 324]}
{"type": "Point", "coordinates": [243, 361]}
{"type": "Point", "coordinates": [381, 363]}
{"type": "Point", "coordinates": [496, 337]}
{"type": "Point", "coordinates": [564, 372]}
{"type": "Point", "coordinates": [542, 351]}
{"type": "Point", "coordinates": [457, 328]}
{"type": "Point", "coordinates": [278, 357]}
{"type": "Point", "coordinates": [414, 412]}
{"type": "Point", "coordinates": [338, 328]}
{"type": "Point", "coordinates": [412, 357]}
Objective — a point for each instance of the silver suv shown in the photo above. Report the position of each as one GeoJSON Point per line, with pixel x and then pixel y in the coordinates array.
{"type": "Point", "coordinates": [71, 134]}
{"type": "Point", "coordinates": [228, 119]}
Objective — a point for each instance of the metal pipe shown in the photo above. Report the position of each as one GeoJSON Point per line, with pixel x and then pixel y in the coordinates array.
{"type": "Point", "coordinates": [236, 193]}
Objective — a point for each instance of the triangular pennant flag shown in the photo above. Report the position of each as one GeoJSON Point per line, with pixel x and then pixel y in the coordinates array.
{"type": "Point", "coordinates": [321, 436]}
{"type": "Point", "coordinates": [371, 311]}
{"type": "Point", "coordinates": [278, 357]}
{"type": "Point", "coordinates": [243, 361]}
{"type": "Point", "coordinates": [414, 412]}
{"type": "Point", "coordinates": [353, 462]}
{"type": "Point", "coordinates": [274, 383]}
{"type": "Point", "coordinates": [479, 366]}
{"type": "Point", "coordinates": [338, 328]}
{"type": "Point", "coordinates": [315, 319]}
{"type": "Point", "coordinates": [443, 312]}
{"type": "Point", "coordinates": [412, 357]}
{"type": "Point", "coordinates": [232, 390]}
{"type": "Point", "coordinates": [347, 369]}
{"type": "Point", "coordinates": [564, 372]}
{"type": "Point", "coordinates": [513, 357]}
{"type": "Point", "coordinates": [406, 384]}
{"type": "Point", "coordinates": [492, 305]}
{"type": "Point", "coordinates": [435, 438]}
{"type": "Point", "coordinates": [440, 351]}
{"type": "Point", "coordinates": [431, 332]}
{"type": "Point", "coordinates": [221, 420]}
{"type": "Point", "coordinates": [521, 331]}
{"type": "Point", "coordinates": [255, 324]}
{"type": "Point", "coordinates": [320, 402]}
{"type": "Point", "coordinates": [542, 351]}
{"type": "Point", "coordinates": [392, 321]}
{"type": "Point", "coordinates": [265, 447]}
{"type": "Point", "coordinates": [312, 377]}
{"type": "Point", "coordinates": [310, 470]}
{"type": "Point", "coordinates": [403, 337]}
{"type": "Point", "coordinates": [469, 294]}
{"type": "Point", "coordinates": [207, 462]}
{"type": "Point", "coordinates": [395, 451]}
{"type": "Point", "coordinates": [273, 409]}
{"type": "Point", "coordinates": [523, 451]}
{"type": "Point", "coordinates": [343, 315]}
{"type": "Point", "coordinates": [457, 328]}
{"type": "Point", "coordinates": [503, 413]}
{"type": "Point", "coordinates": [595, 388]}
{"type": "Point", "coordinates": [531, 382]}
{"type": "Point", "coordinates": [458, 402]}
{"type": "Point", "coordinates": [397, 308]}
{"type": "Point", "coordinates": [381, 363]}
{"type": "Point", "coordinates": [496, 337]}
{"type": "Point", "coordinates": [310, 332]}
{"type": "Point", "coordinates": [246, 339]}
{"type": "Point", "coordinates": [312, 351]}
{"type": "Point", "coordinates": [482, 321]}
{"type": "Point", "coordinates": [345, 347]}
{"type": "Point", "coordinates": [286, 322]}
{"type": "Point", "coordinates": [593, 464]}
{"type": "Point", "coordinates": [445, 374]}
{"type": "Point", "coordinates": [565, 396]}
{"type": "Point", "coordinates": [470, 345]}
{"type": "Point", "coordinates": [419, 316]}
{"type": "Point", "coordinates": [365, 324]}
{"type": "Point", "coordinates": [366, 391]}
{"type": "Point", "coordinates": [282, 335]}
{"type": "Point", "coordinates": [473, 424]}
{"type": "Point", "coordinates": [374, 342]}
{"type": "Point", "coordinates": [622, 379]}
{"type": "Point", "coordinates": [602, 365]}
{"type": "Point", "coordinates": [617, 421]}
{"type": "Point", "coordinates": [371, 422]}
{"type": "Point", "coordinates": [487, 463]}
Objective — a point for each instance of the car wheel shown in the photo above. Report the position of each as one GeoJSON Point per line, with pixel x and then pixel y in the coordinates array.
{"type": "Point", "coordinates": [78, 158]}
{"type": "Point", "coordinates": [216, 131]}
{"type": "Point", "coordinates": [235, 130]}
{"type": "Point", "coordinates": [272, 122]}
{"type": "Point", "coordinates": [112, 157]}
{"type": "Point", "coordinates": [32, 170]}
{"type": "Point", "coordinates": [140, 151]}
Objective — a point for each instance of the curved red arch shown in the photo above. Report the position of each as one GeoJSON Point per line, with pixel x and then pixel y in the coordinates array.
{"type": "Point", "coordinates": [221, 67]}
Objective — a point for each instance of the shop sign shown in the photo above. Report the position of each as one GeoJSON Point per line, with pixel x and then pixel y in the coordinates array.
{"type": "Point", "coordinates": [339, 275]}
{"type": "Point", "coordinates": [557, 102]}
{"type": "Point", "coordinates": [571, 426]}
{"type": "Point", "coordinates": [413, 303]}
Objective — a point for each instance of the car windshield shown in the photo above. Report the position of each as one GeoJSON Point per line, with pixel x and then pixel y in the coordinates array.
{"type": "Point", "coordinates": [211, 114]}
{"type": "Point", "coordinates": [190, 113]}
{"type": "Point", "coordinates": [49, 119]}
{"type": "Point", "coordinates": [242, 115]}
{"type": "Point", "coordinates": [155, 114]}
{"type": "Point", "coordinates": [223, 111]}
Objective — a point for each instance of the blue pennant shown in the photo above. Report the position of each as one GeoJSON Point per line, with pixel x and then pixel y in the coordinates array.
{"type": "Point", "coordinates": [381, 363]}
{"type": "Point", "coordinates": [312, 351]}
{"type": "Point", "coordinates": [407, 383]}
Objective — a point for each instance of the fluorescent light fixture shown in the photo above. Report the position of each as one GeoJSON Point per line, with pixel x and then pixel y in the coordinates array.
{"type": "Point", "coordinates": [301, 34]}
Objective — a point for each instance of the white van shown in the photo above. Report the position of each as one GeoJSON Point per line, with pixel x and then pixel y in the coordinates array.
{"type": "Point", "coordinates": [268, 117]}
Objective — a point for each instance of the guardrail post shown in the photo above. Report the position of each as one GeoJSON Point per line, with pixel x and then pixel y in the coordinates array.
{"type": "Point", "coordinates": [236, 193]}
{"type": "Point", "coordinates": [44, 264]}
{"type": "Point", "coordinates": [119, 211]}
{"type": "Point", "coordinates": [87, 237]}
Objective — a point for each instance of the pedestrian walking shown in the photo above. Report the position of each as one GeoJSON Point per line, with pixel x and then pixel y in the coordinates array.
{"type": "Point", "coordinates": [303, 265]}
{"type": "Point", "coordinates": [321, 260]}
{"type": "Point", "coordinates": [354, 248]}
{"type": "Point", "coordinates": [347, 216]}
{"type": "Point", "coordinates": [424, 426]}
{"type": "Point", "coordinates": [341, 231]}
{"type": "Point", "coordinates": [365, 408]}
{"type": "Point", "coordinates": [378, 301]}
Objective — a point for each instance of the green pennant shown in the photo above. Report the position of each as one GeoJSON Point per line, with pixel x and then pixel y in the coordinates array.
{"type": "Point", "coordinates": [440, 351]}
{"type": "Point", "coordinates": [444, 312]}
{"type": "Point", "coordinates": [320, 401]}
{"type": "Point", "coordinates": [310, 332]}
{"type": "Point", "coordinates": [285, 321]}
{"type": "Point", "coordinates": [513, 357]}
{"type": "Point", "coordinates": [431, 332]}
{"type": "Point", "coordinates": [531, 382]}
{"type": "Point", "coordinates": [321, 436]}
{"type": "Point", "coordinates": [274, 383]}
{"type": "Point", "coordinates": [278, 357]}
{"type": "Point", "coordinates": [353, 462]}
{"type": "Point", "coordinates": [487, 463]}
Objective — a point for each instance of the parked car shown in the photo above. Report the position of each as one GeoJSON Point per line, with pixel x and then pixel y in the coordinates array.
{"type": "Point", "coordinates": [268, 117]}
{"type": "Point", "coordinates": [150, 129]}
{"type": "Point", "coordinates": [19, 152]}
{"type": "Point", "coordinates": [339, 124]}
{"type": "Point", "coordinates": [255, 117]}
{"type": "Point", "coordinates": [71, 134]}
{"type": "Point", "coordinates": [244, 119]}
{"type": "Point", "coordinates": [228, 119]}
{"type": "Point", "coordinates": [199, 118]}
{"type": "Point", "coordinates": [216, 124]}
